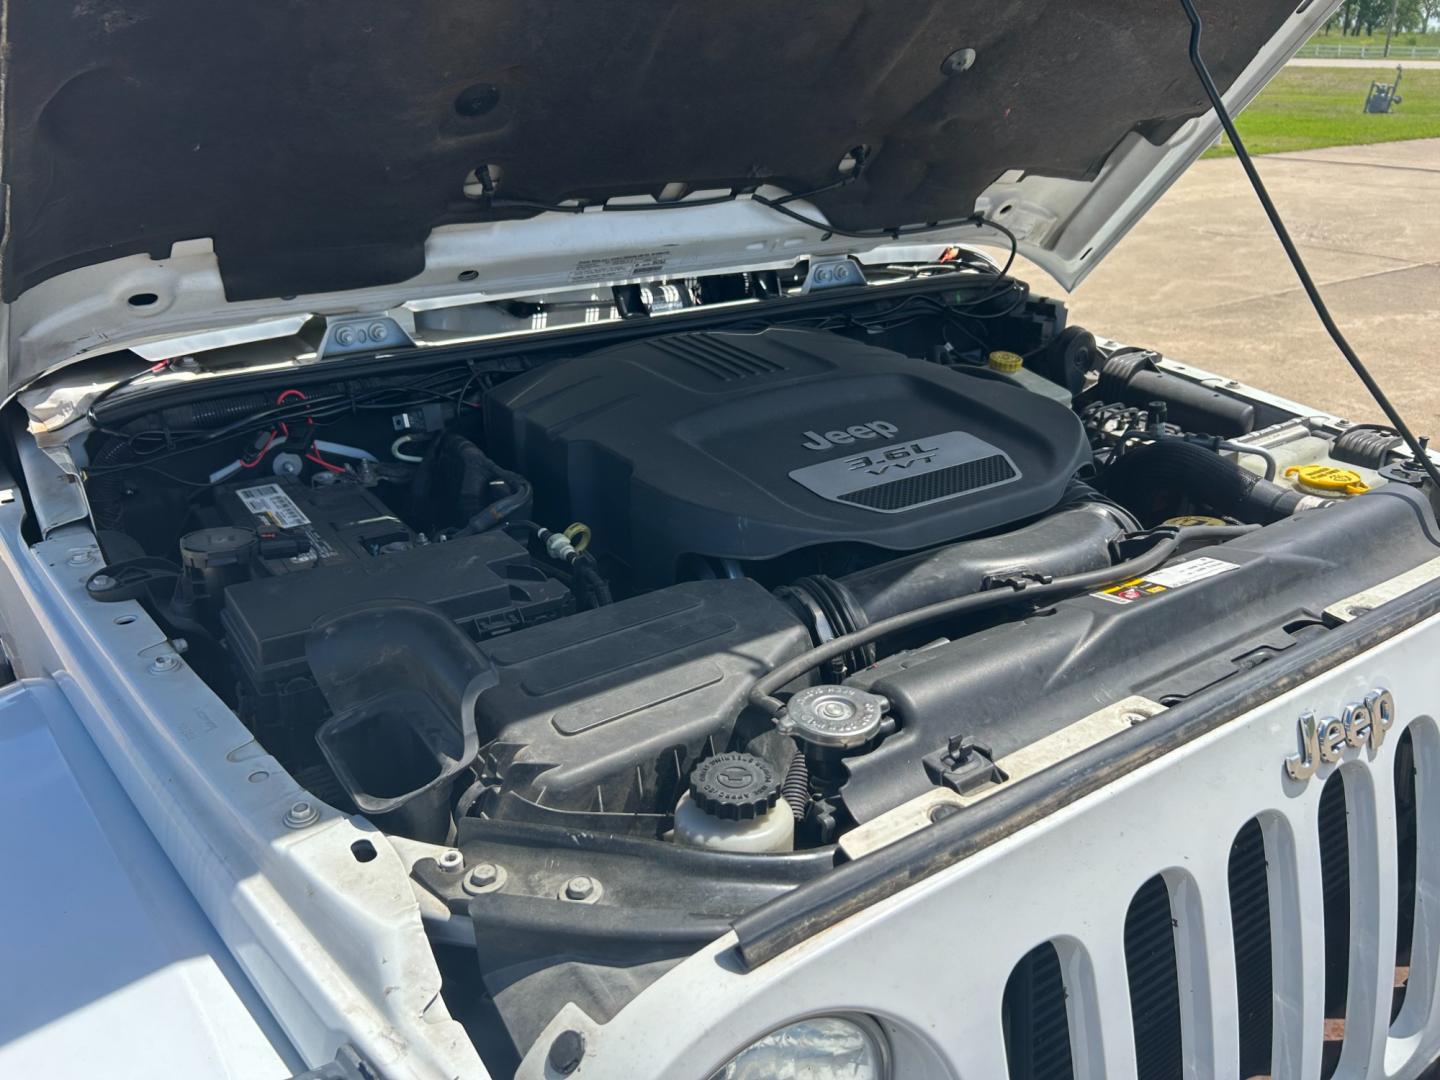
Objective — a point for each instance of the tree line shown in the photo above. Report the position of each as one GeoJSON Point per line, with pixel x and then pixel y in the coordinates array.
{"type": "Point", "coordinates": [1357, 17]}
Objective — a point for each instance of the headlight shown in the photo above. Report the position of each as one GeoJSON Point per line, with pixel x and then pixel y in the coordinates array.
{"type": "Point", "coordinates": [823, 1048]}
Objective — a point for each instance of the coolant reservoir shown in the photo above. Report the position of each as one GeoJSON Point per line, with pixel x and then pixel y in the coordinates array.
{"type": "Point", "coordinates": [1012, 366]}
{"type": "Point", "coordinates": [734, 805]}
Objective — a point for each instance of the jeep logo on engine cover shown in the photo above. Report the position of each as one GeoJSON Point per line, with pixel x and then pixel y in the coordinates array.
{"type": "Point", "coordinates": [1323, 741]}
{"type": "Point", "coordinates": [875, 429]}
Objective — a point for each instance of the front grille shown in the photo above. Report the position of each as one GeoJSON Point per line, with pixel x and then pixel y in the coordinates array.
{"type": "Point", "coordinates": [1040, 1006]}
{"type": "Point", "coordinates": [929, 487]}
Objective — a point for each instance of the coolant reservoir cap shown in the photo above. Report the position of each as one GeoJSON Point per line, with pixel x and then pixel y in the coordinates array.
{"type": "Point", "coordinates": [835, 716]}
{"type": "Point", "coordinates": [735, 786]}
{"type": "Point", "coordinates": [1005, 362]}
{"type": "Point", "coordinates": [1328, 478]}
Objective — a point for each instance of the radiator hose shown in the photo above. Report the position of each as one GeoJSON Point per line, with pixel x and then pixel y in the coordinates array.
{"type": "Point", "coordinates": [1156, 480]}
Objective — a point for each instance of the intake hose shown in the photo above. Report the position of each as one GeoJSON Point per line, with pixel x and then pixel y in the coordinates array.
{"type": "Point", "coordinates": [1155, 479]}
{"type": "Point", "coordinates": [1068, 541]}
{"type": "Point", "coordinates": [1133, 376]}
{"type": "Point", "coordinates": [762, 694]}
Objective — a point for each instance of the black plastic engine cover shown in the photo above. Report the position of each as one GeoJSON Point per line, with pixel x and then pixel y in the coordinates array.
{"type": "Point", "coordinates": [749, 446]}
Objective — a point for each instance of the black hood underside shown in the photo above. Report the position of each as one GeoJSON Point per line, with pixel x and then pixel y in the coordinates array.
{"type": "Point", "coordinates": [319, 143]}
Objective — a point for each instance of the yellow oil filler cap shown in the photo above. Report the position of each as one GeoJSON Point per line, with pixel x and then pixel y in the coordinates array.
{"type": "Point", "coordinates": [1007, 363]}
{"type": "Point", "coordinates": [1195, 519]}
{"type": "Point", "coordinates": [1327, 480]}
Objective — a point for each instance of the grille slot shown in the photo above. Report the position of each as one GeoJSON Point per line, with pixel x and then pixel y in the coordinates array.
{"type": "Point", "coordinates": [1035, 1020]}
{"type": "Point", "coordinates": [1407, 865]}
{"type": "Point", "coordinates": [1334, 840]}
{"type": "Point", "coordinates": [1154, 983]}
{"type": "Point", "coordinates": [1254, 978]}
{"type": "Point", "coordinates": [933, 486]}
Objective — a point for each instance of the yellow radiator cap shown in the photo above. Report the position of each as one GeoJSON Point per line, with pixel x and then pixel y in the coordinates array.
{"type": "Point", "coordinates": [1194, 519]}
{"type": "Point", "coordinates": [1328, 478]}
{"type": "Point", "coordinates": [1005, 362]}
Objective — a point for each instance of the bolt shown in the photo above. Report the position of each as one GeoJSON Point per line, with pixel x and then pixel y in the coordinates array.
{"type": "Point", "coordinates": [378, 333]}
{"type": "Point", "coordinates": [187, 363]}
{"type": "Point", "coordinates": [180, 645]}
{"type": "Point", "coordinates": [941, 812]}
{"type": "Point", "coordinates": [81, 556]}
{"type": "Point", "coordinates": [165, 661]}
{"type": "Point", "coordinates": [958, 61]}
{"type": "Point", "coordinates": [580, 887]}
{"type": "Point", "coordinates": [451, 860]}
{"type": "Point", "coordinates": [300, 814]}
{"type": "Point", "coordinates": [566, 1052]}
{"type": "Point", "coordinates": [1135, 718]}
{"type": "Point", "coordinates": [484, 877]}
{"type": "Point", "coordinates": [101, 583]}
{"type": "Point", "coordinates": [1232, 384]}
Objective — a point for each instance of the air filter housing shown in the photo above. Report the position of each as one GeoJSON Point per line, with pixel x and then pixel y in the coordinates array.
{"type": "Point", "coordinates": [751, 446]}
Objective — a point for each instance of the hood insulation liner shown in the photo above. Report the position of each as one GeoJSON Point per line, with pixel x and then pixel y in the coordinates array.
{"type": "Point", "coordinates": [318, 143]}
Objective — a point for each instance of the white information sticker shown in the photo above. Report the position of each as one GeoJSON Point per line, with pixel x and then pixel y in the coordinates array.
{"type": "Point", "coordinates": [1161, 581]}
{"type": "Point", "coordinates": [269, 501]}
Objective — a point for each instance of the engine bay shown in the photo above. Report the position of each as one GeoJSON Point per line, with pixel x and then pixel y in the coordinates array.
{"type": "Point", "coordinates": [655, 630]}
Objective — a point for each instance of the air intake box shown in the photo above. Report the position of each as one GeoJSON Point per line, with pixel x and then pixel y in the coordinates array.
{"type": "Point", "coordinates": [750, 446]}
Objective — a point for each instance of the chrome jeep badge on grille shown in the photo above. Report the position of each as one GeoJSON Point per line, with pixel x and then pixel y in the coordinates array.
{"type": "Point", "coordinates": [1324, 741]}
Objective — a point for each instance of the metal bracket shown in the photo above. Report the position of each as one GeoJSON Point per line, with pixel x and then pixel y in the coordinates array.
{"type": "Point", "coordinates": [836, 272]}
{"type": "Point", "coordinates": [361, 333]}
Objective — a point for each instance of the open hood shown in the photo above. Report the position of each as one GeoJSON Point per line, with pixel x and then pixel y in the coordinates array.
{"type": "Point", "coordinates": [173, 167]}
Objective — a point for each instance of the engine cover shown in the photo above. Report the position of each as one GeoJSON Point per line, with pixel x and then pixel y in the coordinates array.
{"type": "Point", "coordinates": [752, 445]}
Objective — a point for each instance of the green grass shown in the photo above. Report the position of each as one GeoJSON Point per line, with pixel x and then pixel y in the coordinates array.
{"type": "Point", "coordinates": [1307, 108]}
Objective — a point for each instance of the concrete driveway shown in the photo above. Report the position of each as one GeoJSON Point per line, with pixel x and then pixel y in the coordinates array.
{"type": "Point", "coordinates": [1203, 279]}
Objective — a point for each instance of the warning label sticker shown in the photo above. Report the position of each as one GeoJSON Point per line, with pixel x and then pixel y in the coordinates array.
{"type": "Point", "coordinates": [617, 267]}
{"type": "Point", "coordinates": [1159, 581]}
{"type": "Point", "coordinates": [270, 503]}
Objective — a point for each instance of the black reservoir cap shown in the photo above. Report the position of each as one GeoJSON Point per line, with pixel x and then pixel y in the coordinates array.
{"type": "Point", "coordinates": [735, 786]}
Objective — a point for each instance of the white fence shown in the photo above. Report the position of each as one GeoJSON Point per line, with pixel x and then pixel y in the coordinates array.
{"type": "Point", "coordinates": [1326, 51]}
